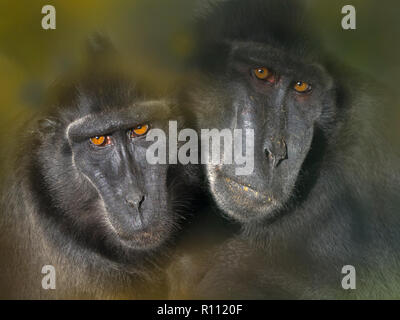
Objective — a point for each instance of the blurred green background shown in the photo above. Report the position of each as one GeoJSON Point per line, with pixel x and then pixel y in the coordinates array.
{"type": "Point", "coordinates": [156, 36]}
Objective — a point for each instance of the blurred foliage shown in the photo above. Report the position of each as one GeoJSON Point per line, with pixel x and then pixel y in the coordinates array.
{"type": "Point", "coordinates": [155, 36]}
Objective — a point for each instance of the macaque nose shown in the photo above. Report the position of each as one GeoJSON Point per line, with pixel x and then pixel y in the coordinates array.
{"type": "Point", "coordinates": [276, 151]}
{"type": "Point", "coordinates": [135, 201]}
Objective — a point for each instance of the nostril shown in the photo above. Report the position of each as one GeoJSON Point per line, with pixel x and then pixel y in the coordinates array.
{"type": "Point", "coordinates": [141, 202]}
{"type": "Point", "coordinates": [273, 158]}
{"type": "Point", "coordinates": [276, 152]}
{"type": "Point", "coordinates": [135, 201]}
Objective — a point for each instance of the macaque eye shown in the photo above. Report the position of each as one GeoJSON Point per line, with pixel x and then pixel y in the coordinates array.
{"type": "Point", "coordinates": [100, 141]}
{"type": "Point", "coordinates": [140, 130]}
{"type": "Point", "coordinates": [302, 87]}
{"type": "Point", "coordinates": [261, 73]}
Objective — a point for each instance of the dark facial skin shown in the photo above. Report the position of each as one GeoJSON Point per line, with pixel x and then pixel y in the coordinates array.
{"type": "Point", "coordinates": [134, 193]}
{"type": "Point", "coordinates": [284, 122]}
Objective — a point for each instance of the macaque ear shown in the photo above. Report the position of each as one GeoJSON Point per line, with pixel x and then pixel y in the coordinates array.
{"type": "Point", "coordinates": [47, 126]}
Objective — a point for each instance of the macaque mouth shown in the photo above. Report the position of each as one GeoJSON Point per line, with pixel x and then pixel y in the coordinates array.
{"type": "Point", "coordinates": [143, 240]}
{"type": "Point", "coordinates": [247, 189]}
{"type": "Point", "coordinates": [145, 236]}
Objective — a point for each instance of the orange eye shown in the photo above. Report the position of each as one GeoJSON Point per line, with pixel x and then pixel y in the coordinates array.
{"type": "Point", "coordinates": [302, 87]}
{"type": "Point", "coordinates": [100, 141]}
{"type": "Point", "coordinates": [140, 130]}
{"type": "Point", "coordinates": [261, 73]}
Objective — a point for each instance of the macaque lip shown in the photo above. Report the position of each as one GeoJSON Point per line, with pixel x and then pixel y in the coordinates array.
{"type": "Point", "coordinates": [246, 190]}
{"type": "Point", "coordinates": [144, 239]}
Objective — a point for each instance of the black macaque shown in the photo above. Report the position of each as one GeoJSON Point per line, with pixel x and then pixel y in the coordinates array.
{"type": "Point", "coordinates": [324, 192]}
{"type": "Point", "coordinates": [82, 197]}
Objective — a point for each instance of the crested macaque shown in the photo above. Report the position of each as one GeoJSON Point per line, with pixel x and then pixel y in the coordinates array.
{"type": "Point", "coordinates": [82, 198]}
{"type": "Point", "coordinates": [324, 192]}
